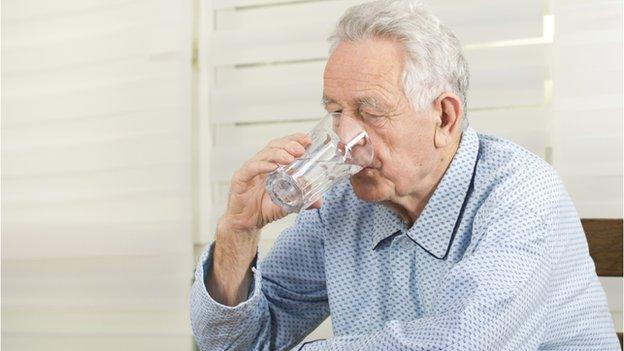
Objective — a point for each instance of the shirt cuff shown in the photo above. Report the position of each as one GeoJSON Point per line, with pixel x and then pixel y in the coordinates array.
{"type": "Point", "coordinates": [214, 314]}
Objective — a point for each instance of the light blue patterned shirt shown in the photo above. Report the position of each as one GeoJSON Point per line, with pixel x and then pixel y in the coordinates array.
{"type": "Point", "coordinates": [496, 261]}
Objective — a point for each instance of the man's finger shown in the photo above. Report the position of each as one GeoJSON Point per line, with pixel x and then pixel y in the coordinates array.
{"type": "Point", "coordinates": [275, 155]}
{"type": "Point", "coordinates": [295, 148]}
{"type": "Point", "coordinates": [301, 138]}
{"type": "Point", "coordinates": [255, 168]}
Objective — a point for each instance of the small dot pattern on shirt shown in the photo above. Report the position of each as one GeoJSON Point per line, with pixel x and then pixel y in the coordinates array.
{"type": "Point", "coordinates": [497, 260]}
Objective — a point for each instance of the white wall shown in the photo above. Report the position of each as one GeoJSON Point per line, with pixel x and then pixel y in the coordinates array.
{"type": "Point", "coordinates": [96, 174]}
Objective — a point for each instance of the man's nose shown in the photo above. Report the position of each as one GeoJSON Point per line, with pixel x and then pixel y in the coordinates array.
{"type": "Point", "coordinates": [350, 131]}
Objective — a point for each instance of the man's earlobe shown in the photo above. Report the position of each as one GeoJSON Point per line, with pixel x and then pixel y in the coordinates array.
{"type": "Point", "coordinates": [440, 138]}
{"type": "Point", "coordinates": [449, 109]}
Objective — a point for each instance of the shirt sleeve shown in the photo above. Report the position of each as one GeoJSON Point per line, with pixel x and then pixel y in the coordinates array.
{"type": "Point", "coordinates": [492, 299]}
{"type": "Point", "coordinates": [287, 300]}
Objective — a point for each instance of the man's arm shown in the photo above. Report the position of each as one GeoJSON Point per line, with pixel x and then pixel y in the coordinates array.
{"type": "Point", "coordinates": [224, 313]}
{"type": "Point", "coordinates": [229, 277]}
{"type": "Point", "coordinates": [285, 299]}
{"type": "Point", "coordinates": [249, 209]}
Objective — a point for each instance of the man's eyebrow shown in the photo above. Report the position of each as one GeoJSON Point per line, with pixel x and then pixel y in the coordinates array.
{"type": "Point", "coordinates": [367, 101]}
{"type": "Point", "coordinates": [364, 101]}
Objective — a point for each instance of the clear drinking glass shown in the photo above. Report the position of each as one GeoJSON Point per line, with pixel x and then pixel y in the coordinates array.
{"type": "Point", "coordinates": [340, 147]}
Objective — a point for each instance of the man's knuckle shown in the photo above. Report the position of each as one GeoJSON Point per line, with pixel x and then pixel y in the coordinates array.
{"type": "Point", "coordinates": [273, 143]}
{"type": "Point", "coordinates": [237, 174]}
{"type": "Point", "coordinates": [285, 154]}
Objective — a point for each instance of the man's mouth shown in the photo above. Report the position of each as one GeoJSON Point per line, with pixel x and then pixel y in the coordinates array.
{"type": "Point", "coordinates": [367, 170]}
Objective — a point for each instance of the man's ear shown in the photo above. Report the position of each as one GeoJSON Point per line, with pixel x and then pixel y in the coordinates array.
{"type": "Point", "coordinates": [448, 115]}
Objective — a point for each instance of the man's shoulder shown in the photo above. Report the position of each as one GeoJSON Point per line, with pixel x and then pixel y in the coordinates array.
{"type": "Point", "coordinates": [510, 176]}
{"type": "Point", "coordinates": [518, 196]}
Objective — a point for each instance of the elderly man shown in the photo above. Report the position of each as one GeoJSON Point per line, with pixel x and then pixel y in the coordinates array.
{"type": "Point", "coordinates": [450, 240]}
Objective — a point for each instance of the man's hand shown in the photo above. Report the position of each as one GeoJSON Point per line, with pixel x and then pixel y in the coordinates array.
{"type": "Point", "coordinates": [249, 206]}
{"type": "Point", "coordinates": [249, 209]}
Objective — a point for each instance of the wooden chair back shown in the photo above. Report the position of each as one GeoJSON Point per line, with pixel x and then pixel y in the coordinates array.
{"type": "Point", "coordinates": [604, 237]}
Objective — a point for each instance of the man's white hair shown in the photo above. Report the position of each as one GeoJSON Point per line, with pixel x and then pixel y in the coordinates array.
{"type": "Point", "coordinates": [435, 62]}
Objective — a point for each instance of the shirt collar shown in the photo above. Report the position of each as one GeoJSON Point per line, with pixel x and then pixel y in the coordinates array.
{"type": "Point", "coordinates": [434, 229]}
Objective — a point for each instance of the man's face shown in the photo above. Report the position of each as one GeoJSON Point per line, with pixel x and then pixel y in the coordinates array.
{"type": "Point", "coordinates": [363, 80]}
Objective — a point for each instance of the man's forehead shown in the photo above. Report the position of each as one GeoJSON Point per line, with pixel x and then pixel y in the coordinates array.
{"type": "Point", "coordinates": [365, 59]}
{"type": "Point", "coordinates": [364, 72]}
{"type": "Point", "coordinates": [356, 74]}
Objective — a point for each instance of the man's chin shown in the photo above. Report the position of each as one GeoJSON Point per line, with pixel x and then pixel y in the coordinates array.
{"type": "Point", "coordinates": [367, 186]}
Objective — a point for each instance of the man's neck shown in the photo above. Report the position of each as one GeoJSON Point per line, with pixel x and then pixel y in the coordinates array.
{"type": "Point", "coordinates": [410, 207]}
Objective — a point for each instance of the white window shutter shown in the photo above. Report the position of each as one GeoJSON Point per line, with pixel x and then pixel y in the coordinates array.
{"type": "Point", "coordinates": [96, 175]}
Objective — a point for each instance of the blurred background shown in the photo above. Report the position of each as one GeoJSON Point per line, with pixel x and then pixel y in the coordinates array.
{"type": "Point", "coordinates": [123, 120]}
